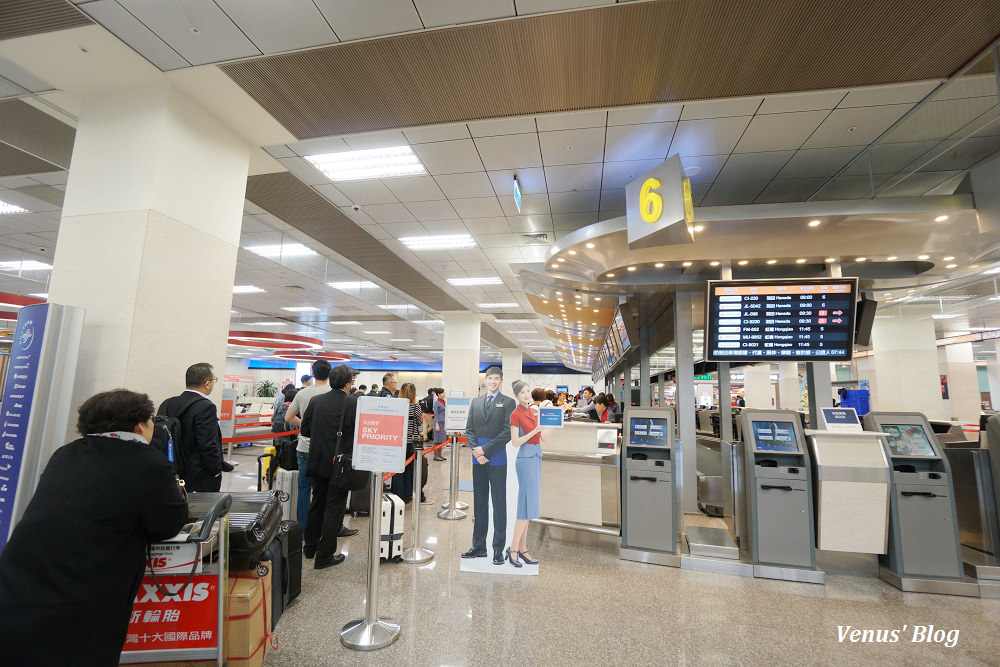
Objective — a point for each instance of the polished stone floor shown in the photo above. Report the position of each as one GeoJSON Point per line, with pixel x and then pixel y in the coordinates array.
{"type": "Point", "coordinates": [587, 607]}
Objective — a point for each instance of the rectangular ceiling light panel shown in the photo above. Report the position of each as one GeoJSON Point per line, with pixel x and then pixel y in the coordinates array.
{"type": "Point", "coordinates": [353, 284]}
{"type": "Point", "coordinates": [449, 242]}
{"type": "Point", "coordinates": [472, 282]}
{"type": "Point", "coordinates": [246, 289]}
{"type": "Point", "coordinates": [6, 208]}
{"type": "Point", "coordinates": [281, 250]}
{"type": "Point", "coordinates": [389, 162]}
{"type": "Point", "coordinates": [300, 309]}
{"type": "Point", "coordinates": [24, 265]}
{"type": "Point", "coordinates": [494, 306]}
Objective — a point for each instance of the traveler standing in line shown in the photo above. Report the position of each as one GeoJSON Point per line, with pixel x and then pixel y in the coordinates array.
{"type": "Point", "coordinates": [74, 562]}
{"type": "Point", "coordinates": [201, 438]}
{"type": "Point", "coordinates": [525, 436]}
{"type": "Point", "coordinates": [320, 423]}
{"type": "Point", "coordinates": [488, 432]}
{"type": "Point", "coordinates": [306, 381]}
{"type": "Point", "coordinates": [427, 410]}
{"type": "Point", "coordinates": [361, 391]}
{"type": "Point", "coordinates": [374, 391]}
{"type": "Point", "coordinates": [402, 483]}
{"type": "Point", "coordinates": [388, 386]}
{"type": "Point", "coordinates": [440, 435]}
{"type": "Point", "coordinates": [279, 399]}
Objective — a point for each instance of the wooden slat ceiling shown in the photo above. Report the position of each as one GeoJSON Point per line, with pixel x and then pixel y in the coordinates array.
{"type": "Point", "coordinates": [15, 162]}
{"type": "Point", "coordinates": [19, 18]}
{"type": "Point", "coordinates": [288, 198]}
{"type": "Point", "coordinates": [634, 53]}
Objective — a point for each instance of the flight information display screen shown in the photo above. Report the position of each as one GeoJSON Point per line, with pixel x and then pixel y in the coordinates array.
{"type": "Point", "coordinates": [649, 431]}
{"type": "Point", "coordinates": [775, 437]}
{"type": "Point", "coordinates": [908, 440]}
{"type": "Point", "coordinates": [622, 332]}
{"type": "Point", "coordinates": [780, 320]}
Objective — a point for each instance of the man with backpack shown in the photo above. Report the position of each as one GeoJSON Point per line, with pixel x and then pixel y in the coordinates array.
{"type": "Point", "coordinates": [427, 409]}
{"type": "Point", "coordinates": [199, 440]}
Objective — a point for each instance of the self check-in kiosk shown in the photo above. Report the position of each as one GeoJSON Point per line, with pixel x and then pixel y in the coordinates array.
{"type": "Point", "coordinates": [778, 486]}
{"type": "Point", "coordinates": [923, 524]}
{"type": "Point", "coordinates": [650, 483]}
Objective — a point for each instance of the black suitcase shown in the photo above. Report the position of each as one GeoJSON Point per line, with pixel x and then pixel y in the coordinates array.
{"type": "Point", "coordinates": [294, 561]}
{"type": "Point", "coordinates": [254, 519]}
{"type": "Point", "coordinates": [275, 554]}
{"type": "Point", "coordinates": [359, 501]}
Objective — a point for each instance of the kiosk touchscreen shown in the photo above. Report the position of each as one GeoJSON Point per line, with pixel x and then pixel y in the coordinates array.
{"type": "Point", "coordinates": [650, 484]}
{"type": "Point", "coordinates": [779, 489]}
{"type": "Point", "coordinates": [923, 523]}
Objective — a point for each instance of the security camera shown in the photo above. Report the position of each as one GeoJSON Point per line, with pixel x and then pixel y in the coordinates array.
{"type": "Point", "coordinates": [356, 207]}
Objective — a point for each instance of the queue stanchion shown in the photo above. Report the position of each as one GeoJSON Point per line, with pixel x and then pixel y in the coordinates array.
{"type": "Point", "coordinates": [371, 632]}
{"type": "Point", "coordinates": [417, 554]}
{"type": "Point", "coordinates": [452, 509]}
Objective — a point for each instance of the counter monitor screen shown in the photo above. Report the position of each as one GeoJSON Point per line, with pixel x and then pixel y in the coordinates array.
{"type": "Point", "coordinates": [908, 440]}
{"type": "Point", "coordinates": [622, 331]}
{"type": "Point", "coordinates": [772, 436]}
{"type": "Point", "coordinates": [648, 431]}
{"type": "Point", "coordinates": [780, 320]}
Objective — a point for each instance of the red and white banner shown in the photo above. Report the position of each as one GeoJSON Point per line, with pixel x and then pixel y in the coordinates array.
{"type": "Point", "coordinates": [380, 434]}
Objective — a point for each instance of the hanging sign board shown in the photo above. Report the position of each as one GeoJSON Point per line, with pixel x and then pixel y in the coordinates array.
{"type": "Point", "coordinates": [380, 434]}
{"type": "Point", "coordinates": [658, 208]}
{"type": "Point", "coordinates": [456, 414]}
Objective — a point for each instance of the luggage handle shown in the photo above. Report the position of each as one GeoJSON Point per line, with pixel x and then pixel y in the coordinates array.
{"type": "Point", "coordinates": [219, 509]}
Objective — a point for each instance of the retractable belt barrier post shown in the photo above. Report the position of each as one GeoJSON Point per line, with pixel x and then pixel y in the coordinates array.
{"type": "Point", "coordinates": [371, 632]}
{"type": "Point", "coordinates": [417, 554]}
{"type": "Point", "coordinates": [453, 511]}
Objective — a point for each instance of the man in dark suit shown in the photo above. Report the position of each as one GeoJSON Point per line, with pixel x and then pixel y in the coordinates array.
{"type": "Point", "coordinates": [201, 438]}
{"type": "Point", "coordinates": [488, 432]}
{"type": "Point", "coordinates": [388, 386]}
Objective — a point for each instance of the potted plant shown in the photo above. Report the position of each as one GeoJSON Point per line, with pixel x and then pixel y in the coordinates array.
{"type": "Point", "coordinates": [266, 389]}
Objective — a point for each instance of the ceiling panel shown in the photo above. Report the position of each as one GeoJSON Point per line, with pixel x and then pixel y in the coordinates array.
{"type": "Point", "coordinates": [571, 177]}
{"type": "Point", "coordinates": [432, 210]}
{"type": "Point", "coordinates": [502, 126]}
{"type": "Point", "coordinates": [815, 162]}
{"type": "Point", "coordinates": [733, 194]}
{"type": "Point", "coordinates": [383, 139]}
{"type": "Point", "coordinates": [196, 29]}
{"type": "Point", "coordinates": [451, 12]}
{"type": "Point", "coordinates": [414, 188]}
{"type": "Point", "coordinates": [464, 186]}
{"type": "Point", "coordinates": [530, 205]}
{"type": "Point", "coordinates": [537, 6]}
{"type": "Point", "coordinates": [20, 18]}
{"type": "Point", "coordinates": [572, 120]}
{"type": "Point", "coordinates": [423, 135]}
{"type": "Point", "coordinates": [782, 131]}
{"type": "Point", "coordinates": [789, 189]}
{"type": "Point", "coordinates": [385, 214]}
{"type": "Point", "coordinates": [449, 157]}
{"type": "Point", "coordinates": [510, 151]}
{"type": "Point", "coordinates": [645, 113]}
{"type": "Point", "coordinates": [14, 162]}
{"type": "Point", "coordinates": [133, 32]}
{"type": "Point", "coordinates": [809, 101]}
{"type": "Point", "coordinates": [477, 207]}
{"type": "Point", "coordinates": [572, 146]}
{"type": "Point", "coordinates": [532, 181]}
{"type": "Point", "coordinates": [275, 27]}
{"type": "Point", "coordinates": [855, 127]}
{"type": "Point", "coordinates": [575, 202]}
{"type": "Point", "coordinates": [620, 174]}
{"type": "Point", "coordinates": [366, 192]}
{"type": "Point", "coordinates": [638, 142]}
{"type": "Point", "coordinates": [753, 166]}
{"type": "Point", "coordinates": [708, 137]}
{"type": "Point", "coordinates": [358, 20]}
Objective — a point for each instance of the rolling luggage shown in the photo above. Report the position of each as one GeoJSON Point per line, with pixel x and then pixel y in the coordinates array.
{"type": "Point", "coordinates": [288, 481]}
{"type": "Point", "coordinates": [285, 556]}
{"type": "Point", "coordinates": [294, 561]}
{"type": "Point", "coordinates": [275, 556]}
{"type": "Point", "coordinates": [391, 542]}
{"type": "Point", "coordinates": [254, 519]}
{"type": "Point", "coordinates": [358, 504]}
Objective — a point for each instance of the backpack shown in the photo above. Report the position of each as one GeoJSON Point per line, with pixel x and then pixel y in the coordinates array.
{"type": "Point", "coordinates": [278, 424]}
{"type": "Point", "coordinates": [426, 405]}
{"type": "Point", "coordinates": [166, 438]}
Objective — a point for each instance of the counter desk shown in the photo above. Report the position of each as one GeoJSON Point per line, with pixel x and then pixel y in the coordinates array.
{"type": "Point", "coordinates": [580, 479]}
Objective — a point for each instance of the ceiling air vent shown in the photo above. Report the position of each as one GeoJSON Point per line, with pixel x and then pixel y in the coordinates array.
{"type": "Point", "coordinates": [536, 239]}
{"type": "Point", "coordinates": [292, 287]}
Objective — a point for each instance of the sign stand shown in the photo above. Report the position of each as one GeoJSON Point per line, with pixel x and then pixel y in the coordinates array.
{"type": "Point", "coordinates": [453, 508]}
{"type": "Point", "coordinates": [371, 632]}
{"type": "Point", "coordinates": [417, 554]}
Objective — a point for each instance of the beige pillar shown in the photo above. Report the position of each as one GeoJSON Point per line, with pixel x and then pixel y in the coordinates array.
{"type": "Point", "coordinates": [906, 364]}
{"type": "Point", "coordinates": [460, 362]}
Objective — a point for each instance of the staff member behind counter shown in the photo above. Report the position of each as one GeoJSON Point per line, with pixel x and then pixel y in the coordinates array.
{"type": "Point", "coordinates": [75, 561]}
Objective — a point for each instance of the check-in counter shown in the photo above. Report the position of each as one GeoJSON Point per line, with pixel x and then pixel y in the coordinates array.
{"type": "Point", "coordinates": [580, 476]}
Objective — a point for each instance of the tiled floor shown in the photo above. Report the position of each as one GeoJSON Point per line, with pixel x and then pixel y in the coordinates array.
{"type": "Point", "coordinates": [588, 607]}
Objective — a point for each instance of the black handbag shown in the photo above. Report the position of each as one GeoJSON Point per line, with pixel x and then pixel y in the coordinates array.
{"type": "Point", "coordinates": [343, 476]}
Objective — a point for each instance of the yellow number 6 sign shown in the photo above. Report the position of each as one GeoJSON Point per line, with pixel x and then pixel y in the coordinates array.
{"type": "Point", "coordinates": [650, 203]}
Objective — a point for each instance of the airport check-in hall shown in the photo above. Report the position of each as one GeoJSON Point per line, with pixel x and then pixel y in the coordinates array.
{"type": "Point", "coordinates": [503, 331]}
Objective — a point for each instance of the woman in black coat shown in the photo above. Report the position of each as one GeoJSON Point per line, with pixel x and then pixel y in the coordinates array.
{"type": "Point", "coordinates": [74, 562]}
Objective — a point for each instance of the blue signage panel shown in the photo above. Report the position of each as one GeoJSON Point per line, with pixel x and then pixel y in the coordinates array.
{"type": "Point", "coordinates": [550, 417]}
{"type": "Point", "coordinates": [16, 407]}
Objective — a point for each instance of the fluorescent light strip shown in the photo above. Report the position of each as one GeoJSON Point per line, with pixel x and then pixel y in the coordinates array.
{"type": "Point", "coordinates": [508, 321]}
{"type": "Point", "coordinates": [491, 306]}
{"type": "Point", "coordinates": [271, 324]}
{"type": "Point", "coordinates": [300, 309]}
{"type": "Point", "coordinates": [281, 250]}
{"type": "Point", "coordinates": [246, 289]}
{"type": "Point", "coordinates": [472, 282]}
{"type": "Point", "coordinates": [369, 163]}
{"type": "Point", "coordinates": [6, 208]}
{"type": "Point", "coordinates": [395, 306]}
{"type": "Point", "coordinates": [449, 242]}
{"type": "Point", "coordinates": [24, 265]}
{"type": "Point", "coordinates": [45, 295]}
{"type": "Point", "coordinates": [344, 322]}
{"type": "Point", "coordinates": [375, 332]}
{"type": "Point", "coordinates": [400, 340]}
{"type": "Point", "coordinates": [353, 284]}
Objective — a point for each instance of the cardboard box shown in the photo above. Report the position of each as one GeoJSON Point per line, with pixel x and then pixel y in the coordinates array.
{"type": "Point", "coordinates": [249, 622]}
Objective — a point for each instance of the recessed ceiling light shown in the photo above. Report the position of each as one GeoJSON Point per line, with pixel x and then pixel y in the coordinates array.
{"type": "Point", "coordinates": [595, 310]}
{"type": "Point", "coordinates": [558, 293]}
{"type": "Point", "coordinates": [893, 258]}
{"type": "Point", "coordinates": [281, 250]}
{"type": "Point", "coordinates": [572, 252]}
{"type": "Point", "coordinates": [772, 261]}
{"type": "Point", "coordinates": [687, 263]}
{"type": "Point", "coordinates": [590, 245]}
{"type": "Point", "coordinates": [560, 259]}
{"type": "Point", "coordinates": [511, 321]}
{"type": "Point", "coordinates": [743, 262]}
{"type": "Point", "coordinates": [491, 306]}
{"type": "Point", "coordinates": [800, 261]}
{"type": "Point", "coordinates": [6, 208]}
{"type": "Point", "coordinates": [389, 162]}
{"type": "Point", "coordinates": [951, 266]}
{"type": "Point", "coordinates": [246, 289]}
{"type": "Point", "coordinates": [923, 256]}
{"type": "Point", "coordinates": [300, 309]}
{"type": "Point", "coordinates": [658, 265]}
{"type": "Point", "coordinates": [948, 259]}
{"type": "Point", "coordinates": [352, 284]}
{"type": "Point", "coordinates": [815, 223]}
{"type": "Point", "coordinates": [597, 298]}
{"type": "Point", "coordinates": [631, 268]}
{"type": "Point", "coordinates": [714, 263]}
{"type": "Point", "coordinates": [447, 242]}
{"type": "Point", "coordinates": [860, 259]}
{"type": "Point", "coordinates": [944, 316]}
{"type": "Point", "coordinates": [375, 332]}
{"type": "Point", "coordinates": [469, 282]}
{"type": "Point", "coordinates": [699, 228]}
{"type": "Point", "coordinates": [940, 218]}
{"type": "Point", "coordinates": [610, 275]}
{"type": "Point", "coordinates": [544, 301]}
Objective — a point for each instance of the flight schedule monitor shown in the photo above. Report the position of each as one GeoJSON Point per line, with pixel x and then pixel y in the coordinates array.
{"type": "Point", "coordinates": [648, 431]}
{"type": "Point", "coordinates": [780, 320]}
{"type": "Point", "coordinates": [774, 436]}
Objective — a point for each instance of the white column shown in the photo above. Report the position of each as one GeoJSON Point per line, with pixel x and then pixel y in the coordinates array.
{"type": "Point", "coordinates": [788, 386]}
{"type": "Point", "coordinates": [757, 386]}
{"type": "Point", "coordinates": [512, 362]}
{"type": "Point", "coordinates": [959, 365]}
{"type": "Point", "coordinates": [460, 364]}
{"type": "Point", "coordinates": [148, 239]}
{"type": "Point", "coordinates": [993, 374]}
{"type": "Point", "coordinates": [906, 364]}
